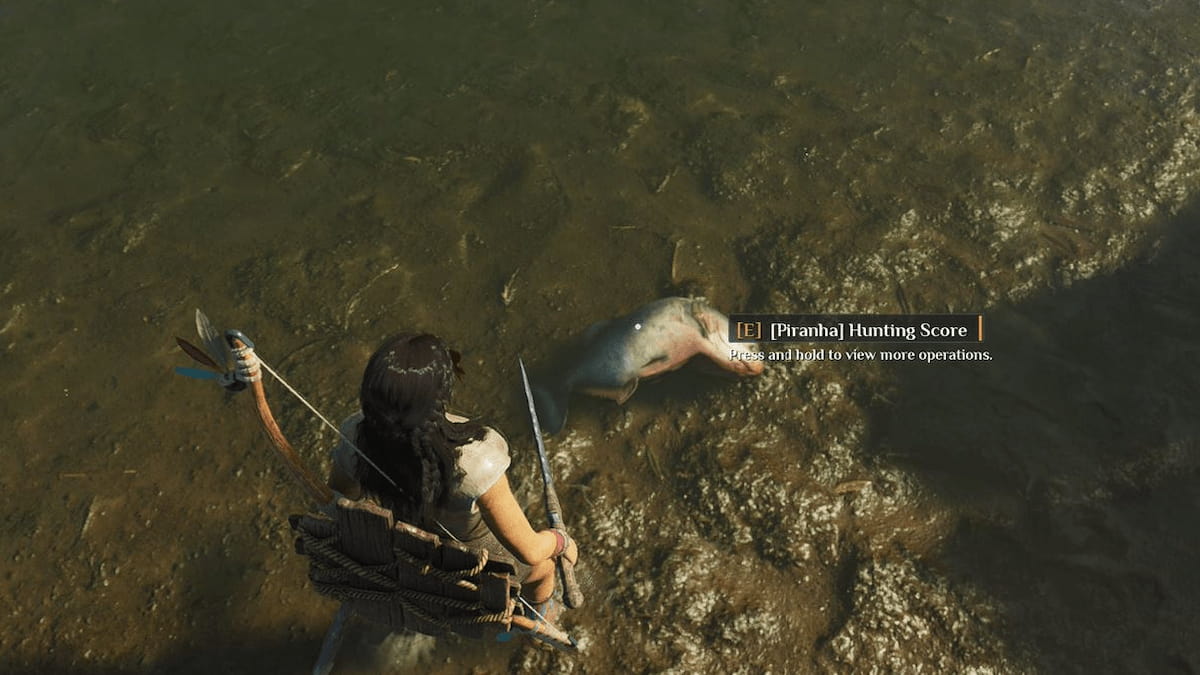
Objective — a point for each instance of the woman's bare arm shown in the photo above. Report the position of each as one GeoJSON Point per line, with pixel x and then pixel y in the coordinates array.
{"type": "Point", "coordinates": [507, 521]}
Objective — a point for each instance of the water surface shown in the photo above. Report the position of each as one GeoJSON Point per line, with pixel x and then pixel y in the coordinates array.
{"type": "Point", "coordinates": [321, 176]}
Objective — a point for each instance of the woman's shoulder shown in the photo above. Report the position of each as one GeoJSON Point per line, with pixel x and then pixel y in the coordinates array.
{"type": "Point", "coordinates": [492, 441]}
{"type": "Point", "coordinates": [482, 462]}
{"type": "Point", "coordinates": [350, 424]}
{"type": "Point", "coordinates": [344, 457]}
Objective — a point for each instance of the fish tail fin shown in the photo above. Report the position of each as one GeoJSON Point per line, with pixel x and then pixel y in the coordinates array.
{"type": "Point", "coordinates": [551, 404]}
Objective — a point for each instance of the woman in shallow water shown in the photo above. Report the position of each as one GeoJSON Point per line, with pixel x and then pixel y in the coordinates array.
{"type": "Point", "coordinates": [449, 471]}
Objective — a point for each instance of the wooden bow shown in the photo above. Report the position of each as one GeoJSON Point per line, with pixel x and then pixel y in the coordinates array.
{"type": "Point", "coordinates": [250, 371]}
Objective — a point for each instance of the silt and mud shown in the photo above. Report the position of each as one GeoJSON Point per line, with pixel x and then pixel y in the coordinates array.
{"type": "Point", "coordinates": [321, 178]}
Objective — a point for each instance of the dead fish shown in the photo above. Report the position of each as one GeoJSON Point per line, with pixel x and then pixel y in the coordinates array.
{"type": "Point", "coordinates": [657, 338]}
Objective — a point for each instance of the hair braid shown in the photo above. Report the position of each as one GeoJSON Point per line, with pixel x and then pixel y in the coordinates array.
{"type": "Point", "coordinates": [425, 444]}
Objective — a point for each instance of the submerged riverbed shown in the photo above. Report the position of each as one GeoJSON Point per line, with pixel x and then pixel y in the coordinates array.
{"type": "Point", "coordinates": [504, 175]}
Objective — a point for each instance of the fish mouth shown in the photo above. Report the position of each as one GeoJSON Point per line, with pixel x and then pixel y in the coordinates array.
{"type": "Point", "coordinates": [744, 368]}
{"type": "Point", "coordinates": [750, 368]}
{"type": "Point", "coordinates": [739, 367]}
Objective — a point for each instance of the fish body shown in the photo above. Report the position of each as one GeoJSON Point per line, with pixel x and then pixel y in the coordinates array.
{"type": "Point", "coordinates": [614, 355]}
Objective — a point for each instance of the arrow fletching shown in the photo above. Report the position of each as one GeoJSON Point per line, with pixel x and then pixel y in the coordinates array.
{"type": "Point", "coordinates": [211, 338]}
{"type": "Point", "coordinates": [196, 353]}
{"type": "Point", "coordinates": [197, 374]}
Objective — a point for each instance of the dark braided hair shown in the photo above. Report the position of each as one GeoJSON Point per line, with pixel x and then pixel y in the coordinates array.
{"type": "Point", "coordinates": [405, 389]}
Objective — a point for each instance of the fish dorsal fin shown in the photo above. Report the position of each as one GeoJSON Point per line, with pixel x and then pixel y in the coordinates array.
{"type": "Point", "coordinates": [699, 307]}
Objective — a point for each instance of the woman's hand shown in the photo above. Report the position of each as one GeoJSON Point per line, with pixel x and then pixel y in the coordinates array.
{"type": "Point", "coordinates": [572, 551]}
{"type": "Point", "coordinates": [564, 546]}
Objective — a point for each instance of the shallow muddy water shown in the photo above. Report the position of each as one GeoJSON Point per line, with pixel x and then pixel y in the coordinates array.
{"type": "Point", "coordinates": [505, 174]}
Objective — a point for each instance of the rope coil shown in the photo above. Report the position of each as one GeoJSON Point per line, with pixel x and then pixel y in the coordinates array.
{"type": "Point", "coordinates": [247, 364]}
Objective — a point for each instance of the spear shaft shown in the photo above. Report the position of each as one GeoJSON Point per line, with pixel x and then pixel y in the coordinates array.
{"type": "Point", "coordinates": [571, 593]}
